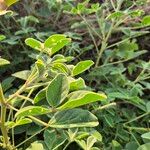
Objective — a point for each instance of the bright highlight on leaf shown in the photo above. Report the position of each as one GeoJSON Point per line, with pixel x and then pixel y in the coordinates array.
{"type": "Point", "coordinates": [4, 62]}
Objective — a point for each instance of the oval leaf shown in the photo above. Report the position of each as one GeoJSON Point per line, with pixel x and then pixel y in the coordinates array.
{"type": "Point", "coordinates": [144, 147]}
{"type": "Point", "coordinates": [82, 66]}
{"type": "Point", "coordinates": [4, 62]}
{"type": "Point", "coordinates": [32, 111]}
{"type": "Point", "coordinates": [40, 96]}
{"type": "Point", "coordinates": [37, 145]}
{"type": "Point", "coordinates": [80, 98]}
{"type": "Point", "coordinates": [56, 42]}
{"type": "Point", "coordinates": [18, 122]}
{"type": "Point", "coordinates": [22, 74]}
{"type": "Point", "coordinates": [146, 20]}
{"type": "Point", "coordinates": [33, 43]}
{"type": "Point", "coordinates": [2, 37]}
{"type": "Point", "coordinates": [54, 139]}
{"type": "Point", "coordinates": [77, 84]}
{"type": "Point", "coordinates": [10, 2]}
{"type": "Point", "coordinates": [146, 137]}
{"type": "Point", "coordinates": [73, 118]}
{"type": "Point", "coordinates": [57, 90]}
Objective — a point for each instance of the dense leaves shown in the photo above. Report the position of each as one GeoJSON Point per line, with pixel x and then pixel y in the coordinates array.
{"type": "Point", "coordinates": [48, 45]}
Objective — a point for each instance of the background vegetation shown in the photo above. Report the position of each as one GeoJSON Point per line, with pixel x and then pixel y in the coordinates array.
{"type": "Point", "coordinates": [115, 36]}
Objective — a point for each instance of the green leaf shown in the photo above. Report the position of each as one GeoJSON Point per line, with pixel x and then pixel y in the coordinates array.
{"type": "Point", "coordinates": [148, 106]}
{"type": "Point", "coordinates": [52, 40]}
{"type": "Point", "coordinates": [37, 145]}
{"type": "Point", "coordinates": [22, 74]}
{"type": "Point", "coordinates": [77, 84]}
{"type": "Point", "coordinates": [144, 147]}
{"type": "Point", "coordinates": [23, 121]}
{"type": "Point", "coordinates": [57, 90]}
{"type": "Point", "coordinates": [40, 67]}
{"type": "Point", "coordinates": [10, 2]}
{"type": "Point", "coordinates": [116, 15]}
{"type": "Point", "coordinates": [146, 20]}
{"type": "Point", "coordinates": [131, 146]}
{"type": "Point", "coordinates": [146, 137]}
{"type": "Point", "coordinates": [79, 98]}
{"type": "Point", "coordinates": [82, 66]}
{"type": "Point", "coordinates": [40, 96]}
{"type": "Point", "coordinates": [109, 120]}
{"type": "Point", "coordinates": [118, 95]}
{"type": "Point", "coordinates": [2, 37]}
{"type": "Point", "coordinates": [116, 145]}
{"type": "Point", "coordinates": [54, 139]}
{"type": "Point", "coordinates": [56, 42]}
{"type": "Point", "coordinates": [73, 118]}
{"type": "Point", "coordinates": [33, 43]}
{"type": "Point", "coordinates": [82, 144]}
{"type": "Point", "coordinates": [19, 122]}
{"type": "Point", "coordinates": [4, 62]}
{"type": "Point", "coordinates": [7, 83]}
{"type": "Point", "coordinates": [62, 68]}
{"type": "Point", "coordinates": [32, 111]}
{"type": "Point", "coordinates": [33, 129]}
{"type": "Point", "coordinates": [90, 142]}
{"type": "Point", "coordinates": [97, 135]}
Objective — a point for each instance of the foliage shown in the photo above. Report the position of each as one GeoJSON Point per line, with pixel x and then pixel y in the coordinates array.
{"type": "Point", "coordinates": [52, 76]}
{"type": "Point", "coordinates": [111, 38]}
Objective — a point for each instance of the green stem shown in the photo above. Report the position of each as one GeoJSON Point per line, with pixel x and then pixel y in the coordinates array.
{"type": "Point", "coordinates": [6, 143]}
{"type": "Point", "coordinates": [103, 47]}
{"type": "Point", "coordinates": [104, 44]}
{"type": "Point", "coordinates": [16, 93]}
{"type": "Point", "coordinates": [134, 137]}
{"type": "Point", "coordinates": [137, 128]}
{"type": "Point", "coordinates": [3, 127]}
{"type": "Point", "coordinates": [145, 114]}
{"type": "Point", "coordinates": [66, 145]}
{"type": "Point", "coordinates": [30, 79]}
{"type": "Point", "coordinates": [31, 137]}
{"type": "Point", "coordinates": [104, 107]}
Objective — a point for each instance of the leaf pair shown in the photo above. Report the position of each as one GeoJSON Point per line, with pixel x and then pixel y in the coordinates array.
{"type": "Point", "coordinates": [58, 91]}
{"type": "Point", "coordinates": [52, 45]}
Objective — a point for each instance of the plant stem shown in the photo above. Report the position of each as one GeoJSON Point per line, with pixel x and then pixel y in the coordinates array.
{"type": "Point", "coordinates": [145, 114]}
{"type": "Point", "coordinates": [103, 47]}
{"type": "Point", "coordinates": [137, 128]}
{"type": "Point", "coordinates": [31, 137]}
{"type": "Point", "coordinates": [104, 107]}
{"type": "Point", "coordinates": [3, 127]}
{"type": "Point", "coordinates": [30, 79]}
{"type": "Point", "coordinates": [66, 145]}
{"type": "Point", "coordinates": [16, 93]}
{"type": "Point", "coordinates": [6, 143]}
{"type": "Point", "coordinates": [104, 44]}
